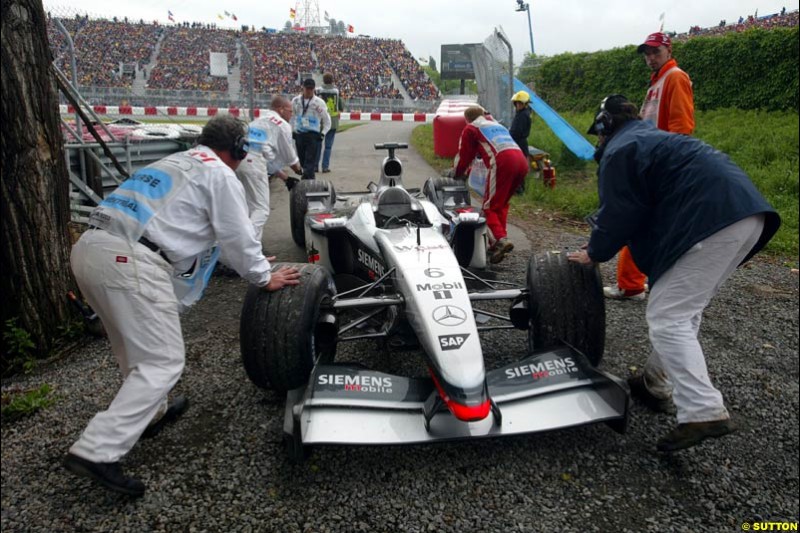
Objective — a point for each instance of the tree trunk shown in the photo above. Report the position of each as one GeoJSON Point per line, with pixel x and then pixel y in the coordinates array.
{"type": "Point", "coordinates": [34, 200]}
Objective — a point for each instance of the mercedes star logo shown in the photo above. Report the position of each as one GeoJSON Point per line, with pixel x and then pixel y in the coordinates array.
{"type": "Point", "coordinates": [449, 315]}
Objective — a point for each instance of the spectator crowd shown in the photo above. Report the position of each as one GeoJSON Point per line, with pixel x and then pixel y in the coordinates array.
{"type": "Point", "coordinates": [183, 59]}
{"type": "Point", "coordinates": [111, 52]}
{"type": "Point", "coordinates": [364, 66]}
{"type": "Point", "coordinates": [774, 20]}
{"type": "Point", "coordinates": [103, 47]}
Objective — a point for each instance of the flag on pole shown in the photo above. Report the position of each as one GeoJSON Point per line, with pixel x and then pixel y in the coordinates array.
{"type": "Point", "coordinates": [233, 16]}
{"type": "Point", "coordinates": [327, 17]}
{"type": "Point", "coordinates": [350, 28]}
{"type": "Point", "coordinates": [220, 17]}
{"type": "Point", "coordinates": [661, 19]}
{"type": "Point", "coordinates": [170, 16]}
{"type": "Point", "coordinates": [227, 14]}
{"type": "Point", "coordinates": [292, 13]}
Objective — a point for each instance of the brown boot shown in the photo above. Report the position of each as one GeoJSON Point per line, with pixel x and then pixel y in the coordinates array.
{"type": "Point", "coordinates": [501, 248]}
{"type": "Point", "coordinates": [640, 392]}
{"type": "Point", "coordinates": [693, 433]}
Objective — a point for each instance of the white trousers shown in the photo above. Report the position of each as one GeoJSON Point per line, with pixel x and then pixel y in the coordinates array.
{"type": "Point", "coordinates": [674, 312]}
{"type": "Point", "coordinates": [256, 191]}
{"type": "Point", "coordinates": [130, 289]}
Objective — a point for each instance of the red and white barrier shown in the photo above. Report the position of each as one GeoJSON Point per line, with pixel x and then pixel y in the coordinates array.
{"type": "Point", "coordinates": [139, 111]}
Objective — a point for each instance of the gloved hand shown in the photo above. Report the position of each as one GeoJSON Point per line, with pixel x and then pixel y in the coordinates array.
{"type": "Point", "coordinates": [291, 182]}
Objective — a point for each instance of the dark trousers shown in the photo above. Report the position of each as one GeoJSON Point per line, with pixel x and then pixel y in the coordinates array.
{"type": "Point", "coordinates": [308, 147]}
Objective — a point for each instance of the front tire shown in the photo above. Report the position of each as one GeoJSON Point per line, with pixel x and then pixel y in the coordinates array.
{"type": "Point", "coordinates": [283, 333]}
{"type": "Point", "coordinates": [566, 305]}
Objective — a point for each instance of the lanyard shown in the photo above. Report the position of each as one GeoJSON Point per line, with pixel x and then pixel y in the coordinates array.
{"type": "Point", "coordinates": [305, 105]}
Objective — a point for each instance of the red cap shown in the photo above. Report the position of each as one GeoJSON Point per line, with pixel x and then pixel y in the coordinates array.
{"type": "Point", "coordinates": [655, 40]}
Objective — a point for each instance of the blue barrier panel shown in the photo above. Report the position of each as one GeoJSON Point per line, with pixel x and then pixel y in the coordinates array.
{"type": "Point", "coordinates": [573, 140]}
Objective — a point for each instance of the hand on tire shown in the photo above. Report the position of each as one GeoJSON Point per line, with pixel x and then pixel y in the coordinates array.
{"type": "Point", "coordinates": [282, 277]}
{"type": "Point", "coordinates": [580, 257]}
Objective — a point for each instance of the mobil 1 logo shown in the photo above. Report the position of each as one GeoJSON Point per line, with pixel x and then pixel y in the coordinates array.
{"type": "Point", "coordinates": [440, 291]}
{"type": "Point", "coordinates": [452, 342]}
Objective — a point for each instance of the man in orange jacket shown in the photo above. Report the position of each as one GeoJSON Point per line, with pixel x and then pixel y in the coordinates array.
{"type": "Point", "coordinates": [669, 105]}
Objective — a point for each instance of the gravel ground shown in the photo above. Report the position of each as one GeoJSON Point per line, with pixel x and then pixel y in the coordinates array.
{"type": "Point", "coordinates": [222, 467]}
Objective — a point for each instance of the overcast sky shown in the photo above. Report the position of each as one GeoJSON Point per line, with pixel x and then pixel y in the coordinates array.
{"type": "Point", "coordinates": [424, 25]}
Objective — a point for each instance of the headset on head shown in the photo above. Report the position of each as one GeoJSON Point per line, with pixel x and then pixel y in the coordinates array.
{"type": "Point", "coordinates": [604, 121]}
{"type": "Point", "coordinates": [239, 148]}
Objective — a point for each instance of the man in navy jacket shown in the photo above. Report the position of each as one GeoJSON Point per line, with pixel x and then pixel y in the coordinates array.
{"type": "Point", "coordinates": [690, 216]}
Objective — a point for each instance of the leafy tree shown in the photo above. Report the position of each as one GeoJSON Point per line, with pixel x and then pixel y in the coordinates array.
{"type": "Point", "coordinates": [529, 68]}
{"type": "Point", "coordinates": [432, 62]}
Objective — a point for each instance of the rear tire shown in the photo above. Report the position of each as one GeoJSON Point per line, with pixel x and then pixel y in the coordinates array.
{"type": "Point", "coordinates": [283, 333]}
{"type": "Point", "coordinates": [298, 206]}
{"type": "Point", "coordinates": [566, 305]}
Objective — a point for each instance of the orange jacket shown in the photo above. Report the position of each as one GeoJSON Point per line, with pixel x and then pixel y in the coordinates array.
{"type": "Point", "coordinates": [676, 109]}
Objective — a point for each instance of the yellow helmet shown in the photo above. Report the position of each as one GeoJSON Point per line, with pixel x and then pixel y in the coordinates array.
{"type": "Point", "coordinates": [521, 96]}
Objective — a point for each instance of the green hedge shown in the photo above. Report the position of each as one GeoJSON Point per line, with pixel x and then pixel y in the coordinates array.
{"type": "Point", "coordinates": [755, 69]}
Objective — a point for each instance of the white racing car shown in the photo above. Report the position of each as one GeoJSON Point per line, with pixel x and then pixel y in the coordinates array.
{"type": "Point", "coordinates": [408, 267]}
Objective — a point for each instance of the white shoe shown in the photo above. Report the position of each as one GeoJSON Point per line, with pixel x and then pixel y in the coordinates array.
{"type": "Point", "coordinates": [615, 293]}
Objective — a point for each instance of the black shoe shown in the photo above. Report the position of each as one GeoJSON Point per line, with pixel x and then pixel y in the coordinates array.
{"type": "Point", "coordinates": [225, 271]}
{"type": "Point", "coordinates": [693, 433]}
{"type": "Point", "coordinates": [640, 391]}
{"type": "Point", "coordinates": [107, 474]}
{"type": "Point", "coordinates": [325, 170]}
{"type": "Point", "coordinates": [176, 408]}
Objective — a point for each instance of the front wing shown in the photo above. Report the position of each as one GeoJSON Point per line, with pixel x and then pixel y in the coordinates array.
{"type": "Point", "coordinates": [551, 389]}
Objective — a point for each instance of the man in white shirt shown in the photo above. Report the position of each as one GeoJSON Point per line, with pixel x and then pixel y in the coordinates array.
{"type": "Point", "coordinates": [150, 250]}
{"type": "Point", "coordinates": [271, 149]}
{"type": "Point", "coordinates": [310, 122]}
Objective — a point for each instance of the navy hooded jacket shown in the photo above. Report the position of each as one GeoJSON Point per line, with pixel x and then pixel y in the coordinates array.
{"type": "Point", "coordinates": [661, 193]}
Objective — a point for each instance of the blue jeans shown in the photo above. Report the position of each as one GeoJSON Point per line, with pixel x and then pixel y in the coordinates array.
{"type": "Point", "coordinates": [326, 156]}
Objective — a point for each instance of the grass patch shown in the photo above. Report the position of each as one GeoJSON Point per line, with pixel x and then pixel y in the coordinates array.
{"type": "Point", "coordinates": [764, 144]}
{"type": "Point", "coordinates": [344, 126]}
{"type": "Point", "coordinates": [21, 403]}
{"type": "Point", "coordinates": [422, 141]}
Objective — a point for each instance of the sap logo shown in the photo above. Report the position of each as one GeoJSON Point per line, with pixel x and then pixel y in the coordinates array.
{"type": "Point", "coordinates": [370, 262]}
{"type": "Point", "coordinates": [452, 342]}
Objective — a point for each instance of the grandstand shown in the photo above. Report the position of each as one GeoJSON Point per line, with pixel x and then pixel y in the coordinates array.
{"type": "Point", "coordinates": [783, 19]}
{"type": "Point", "coordinates": [125, 62]}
